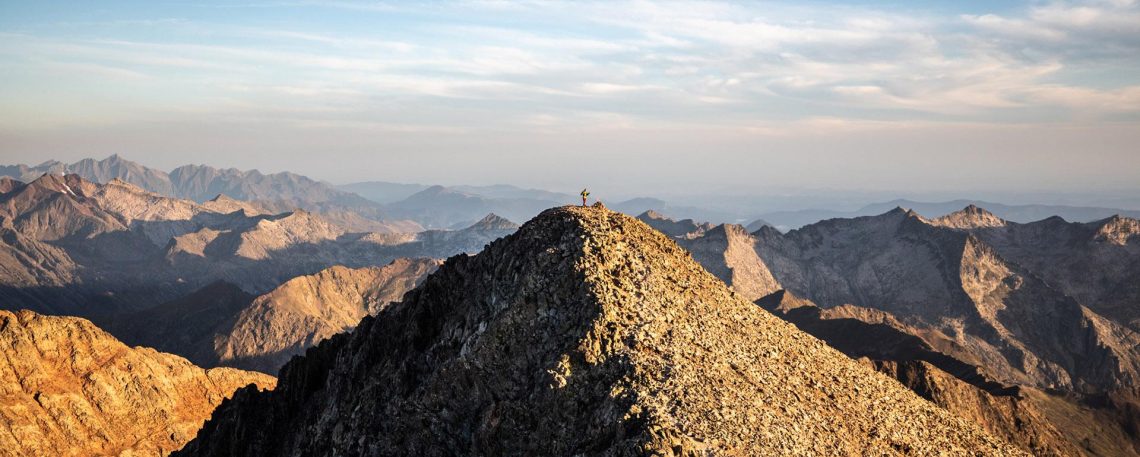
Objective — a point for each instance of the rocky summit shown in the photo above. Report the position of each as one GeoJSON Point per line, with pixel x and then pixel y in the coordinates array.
{"type": "Point", "coordinates": [584, 333]}
{"type": "Point", "coordinates": [69, 389]}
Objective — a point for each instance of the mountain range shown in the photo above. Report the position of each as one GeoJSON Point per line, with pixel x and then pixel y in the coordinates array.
{"type": "Point", "coordinates": [273, 193]}
{"type": "Point", "coordinates": [1047, 305]}
{"type": "Point", "coordinates": [76, 247]}
{"type": "Point", "coordinates": [379, 206]}
{"type": "Point", "coordinates": [585, 332]}
{"type": "Point", "coordinates": [965, 331]}
{"type": "Point", "coordinates": [786, 220]}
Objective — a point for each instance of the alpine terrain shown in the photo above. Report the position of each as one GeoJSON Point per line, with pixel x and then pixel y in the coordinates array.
{"type": "Point", "coordinates": [585, 332]}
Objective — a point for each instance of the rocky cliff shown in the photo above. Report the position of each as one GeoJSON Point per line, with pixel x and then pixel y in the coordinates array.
{"type": "Point", "coordinates": [70, 389]}
{"type": "Point", "coordinates": [586, 332]}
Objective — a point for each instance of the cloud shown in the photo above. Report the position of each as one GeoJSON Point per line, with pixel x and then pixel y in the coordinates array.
{"type": "Point", "coordinates": [648, 63]}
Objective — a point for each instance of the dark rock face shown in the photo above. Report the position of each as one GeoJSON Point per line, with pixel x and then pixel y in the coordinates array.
{"type": "Point", "coordinates": [586, 332]}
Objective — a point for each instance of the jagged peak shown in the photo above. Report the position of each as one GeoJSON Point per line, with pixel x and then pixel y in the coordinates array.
{"type": "Point", "coordinates": [653, 214]}
{"type": "Point", "coordinates": [970, 217]}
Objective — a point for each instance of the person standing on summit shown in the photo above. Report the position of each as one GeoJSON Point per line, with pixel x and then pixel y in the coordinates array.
{"type": "Point", "coordinates": [585, 193]}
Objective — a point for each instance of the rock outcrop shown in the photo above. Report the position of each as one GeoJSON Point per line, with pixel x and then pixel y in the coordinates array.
{"type": "Point", "coordinates": [67, 388]}
{"type": "Point", "coordinates": [586, 332]}
{"type": "Point", "coordinates": [970, 217]}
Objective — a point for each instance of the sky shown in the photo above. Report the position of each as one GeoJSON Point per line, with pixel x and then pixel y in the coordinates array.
{"type": "Point", "coordinates": [645, 96]}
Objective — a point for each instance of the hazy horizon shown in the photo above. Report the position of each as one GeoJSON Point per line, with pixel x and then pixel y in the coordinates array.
{"type": "Point", "coordinates": [635, 98]}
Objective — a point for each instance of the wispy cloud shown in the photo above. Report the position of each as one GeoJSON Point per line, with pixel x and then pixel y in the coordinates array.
{"type": "Point", "coordinates": [498, 64]}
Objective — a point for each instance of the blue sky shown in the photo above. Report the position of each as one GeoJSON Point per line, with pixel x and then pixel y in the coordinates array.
{"type": "Point", "coordinates": [647, 95]}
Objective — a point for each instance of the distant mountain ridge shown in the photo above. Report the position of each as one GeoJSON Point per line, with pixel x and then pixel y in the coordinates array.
{"type": "Point", "coordinates": [1014, 213]}
{"type": "Point", "coordinates": [276, 192]}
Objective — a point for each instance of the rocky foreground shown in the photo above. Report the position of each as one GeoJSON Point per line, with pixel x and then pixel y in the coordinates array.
{"type": "Point", "coordinates": [69, 389]}
{"type": "Point", "coordinates": [586, 332]}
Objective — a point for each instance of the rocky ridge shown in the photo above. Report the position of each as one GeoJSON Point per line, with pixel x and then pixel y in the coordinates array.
{"type": "Point", "coordinates": [276, 192]}
{"type": "Point", "coordinates": [584, 332]}
{"type": "Point", "coordinates": [67, 388]}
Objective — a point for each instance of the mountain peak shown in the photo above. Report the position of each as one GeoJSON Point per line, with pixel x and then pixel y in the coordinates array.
{"type": "Point", "coordinates": [586, 331]}
{"type": "Point", "coordinates": [970, 217]}
{"type": "Point", "coordinates": [493, 221]}
{"type": "Point", "coordinates": [69, 184]}
{"type": "Point", "coordinates": [652, 214]}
